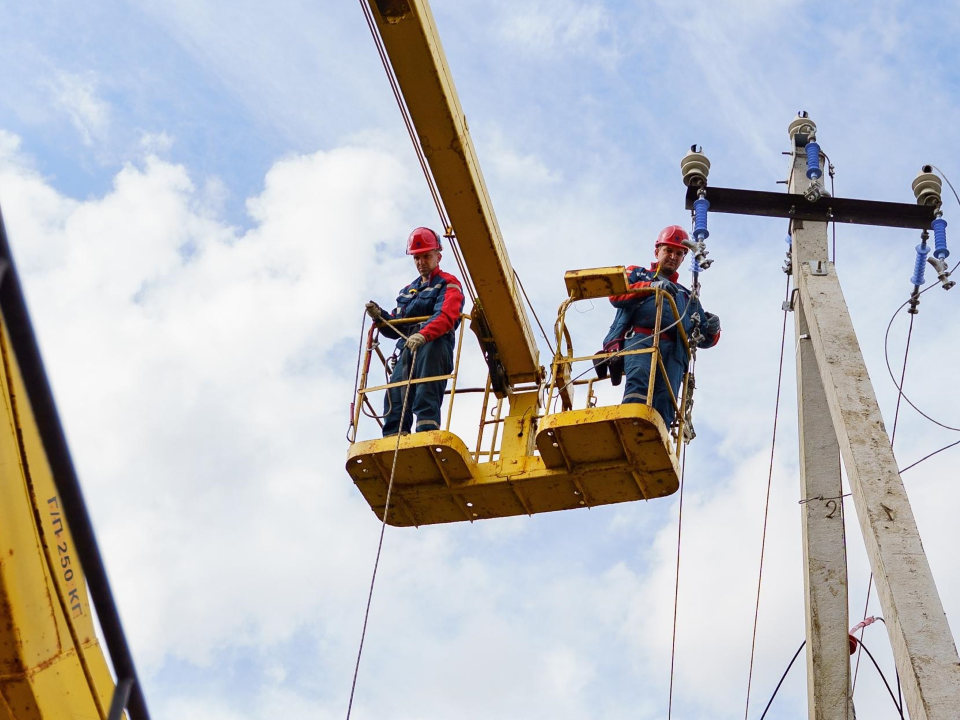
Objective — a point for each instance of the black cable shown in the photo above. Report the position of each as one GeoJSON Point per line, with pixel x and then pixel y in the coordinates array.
{"type": "Point", "coordinates": [886, 338]}
{"type": "Point", "coordinates": [782, 678]}
{"type": "Point", "coordinates": [766, 511]}
{"type": "Point", "coordinates": [927, 457]}
{"type": "Point", "coordinates": [899, 386]}
{"type": "Point", "coordinates": [886, 356]}
{"type": "Point", "coordinates": [831, 170]}
{"type": "Point", "coordinates": [884, 678]}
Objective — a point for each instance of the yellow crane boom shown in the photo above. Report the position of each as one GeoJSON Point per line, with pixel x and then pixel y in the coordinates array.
{"type": "Point", "coordinates": [410, 38]}
{"type": "Point", "coordinates": [538, 460]}
{"type": "Point", "coordinates": [51, 663]}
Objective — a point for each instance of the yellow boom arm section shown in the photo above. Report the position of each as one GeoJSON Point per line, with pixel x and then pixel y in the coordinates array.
{"type": "Point", "coordinates": [51, 665]}
{"type": "Point", "coordinates": [413, 47]}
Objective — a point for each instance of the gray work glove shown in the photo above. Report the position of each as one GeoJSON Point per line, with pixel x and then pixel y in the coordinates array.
{"type": "Point", "coordinates": [415, 341]}
{"type": "Point", "coordinates": [665, 285]}
{"type": "Point", "coordinates": [374, 310]}
{"type": "Point", "coordinates": [711, 325]}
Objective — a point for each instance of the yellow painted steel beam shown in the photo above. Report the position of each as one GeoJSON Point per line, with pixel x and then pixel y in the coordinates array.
{"type": "Point", "coordinates": [413, 46]}
{"type": "Point", "coordinates": [51, 664]}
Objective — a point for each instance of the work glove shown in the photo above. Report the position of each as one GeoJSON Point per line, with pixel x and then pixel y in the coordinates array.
{"type": "Point", "coordinates": [415, 341]}
{"type": "Point", "coordinates": [665, 285]}
{"type": "Point", "coordinates": [374, 310]}
{"type": "Point", "coordinates": [711, 325]}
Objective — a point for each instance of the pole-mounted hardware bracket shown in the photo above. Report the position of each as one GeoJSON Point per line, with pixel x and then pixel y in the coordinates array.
{"type": "Point", "coordinates": [824, 209]}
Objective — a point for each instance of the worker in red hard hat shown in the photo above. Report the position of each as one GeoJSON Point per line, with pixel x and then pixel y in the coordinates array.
{"type": "Point", "coordinates": [438, 297]}
{"type": "Point", "coordinates": [632, 328]}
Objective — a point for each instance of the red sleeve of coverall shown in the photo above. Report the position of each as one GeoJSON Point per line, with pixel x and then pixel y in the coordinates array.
{"type": "Point", "coordinates": [622, 300]}
{"type": "Point", "coordinates": [446, 311]}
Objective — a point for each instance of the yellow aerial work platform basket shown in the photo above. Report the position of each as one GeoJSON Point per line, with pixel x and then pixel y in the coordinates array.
{"type": "Point", "coordinates": [536, 461]}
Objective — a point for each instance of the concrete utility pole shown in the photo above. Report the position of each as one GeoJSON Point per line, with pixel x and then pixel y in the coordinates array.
{"type": "Point", "coordinates": [838, 410]}
{"type": "Point", "coordinates": [824, 546]}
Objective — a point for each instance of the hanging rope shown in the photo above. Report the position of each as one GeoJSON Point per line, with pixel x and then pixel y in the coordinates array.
{"type": "Point", "coordinates": [404, 113]}
{"type": "Point", "coordinates": [417, 148]}
{"type": "Point", "coordinates": [535, 317]}
{"type": "Point", "coordinates": [766, 509]}
{"type": "Point", "coordinates": [676, 585]}
{"type": "Point", "coordinates": [383, 528]}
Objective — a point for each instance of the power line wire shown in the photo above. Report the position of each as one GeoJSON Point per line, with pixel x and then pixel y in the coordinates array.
{"type": "Point", "coordinates": [766, 511]}
{"type": "Point", "coordinates": [676, 586]}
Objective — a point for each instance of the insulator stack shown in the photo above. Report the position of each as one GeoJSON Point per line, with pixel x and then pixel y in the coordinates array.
{"type": "Point", "coordinates": [700, 207]}
{"type": "Point", "coordinates": [939, 227]}
{"type": "Point", "coordinates": [920, 264]}
{"type": "Point", "coordinates": [813, 161]}
{"type": "Point", "coordinates": [927, 187]}
{"type": "Point", "coordinates": [695, 167]}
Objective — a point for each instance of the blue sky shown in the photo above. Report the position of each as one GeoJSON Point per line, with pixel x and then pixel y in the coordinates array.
{"type": "Point", "coordinates": [201, 195]}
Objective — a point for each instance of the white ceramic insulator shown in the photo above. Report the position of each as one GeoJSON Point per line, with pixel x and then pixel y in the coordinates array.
{"type": "Point", "coordinates": [695, 167]}
{"type": "Point", "coordinates": [927, 187]}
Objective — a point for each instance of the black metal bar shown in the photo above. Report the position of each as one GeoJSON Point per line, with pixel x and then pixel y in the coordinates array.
{"type": "Point", "coordinates": [27, 352]}
{"type": "Point", "coordinates": [120, 698]}
{"type": "Point", "coordinates": [824, 209]}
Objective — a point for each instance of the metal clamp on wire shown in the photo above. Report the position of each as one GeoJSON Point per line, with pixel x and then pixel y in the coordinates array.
{"type": "Point", "coordinates": [688, 432]}
{"type": "Point", "coordinates": [696, 337]}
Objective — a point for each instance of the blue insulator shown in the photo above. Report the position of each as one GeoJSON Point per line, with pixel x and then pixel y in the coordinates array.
{"type": "Point", "coordinates": [700, 207]}
{"type": "Point", "coordinates": [813, 161]}
{"type": "Point", "coordinates": [920, 264]}
{"type": "Point", "coordinates": [695, 266]}
{"type": "Point", "coordinates": [939, 227]}
{"type": "Point", "coordinates": [789, 240]}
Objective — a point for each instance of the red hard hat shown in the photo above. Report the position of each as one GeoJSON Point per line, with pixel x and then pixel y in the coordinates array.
{"type": "Point", "coordinates": [422, 240]}
{"type": "Point", "coordinates": [672, 235]}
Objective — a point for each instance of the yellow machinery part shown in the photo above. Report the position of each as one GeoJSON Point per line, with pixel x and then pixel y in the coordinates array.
{"type": "Point", "coordinates": [596, 456]}
{"type": "Point", "coordinates": [411, 40]}
{"type": "Point", "coordinates": [51, 664]}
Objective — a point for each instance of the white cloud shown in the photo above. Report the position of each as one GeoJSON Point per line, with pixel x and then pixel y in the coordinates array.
{"type": "Point", "coordinates": [203, 370]}
{"type": "Point", "coordinates": [156, 143]}
{"type": "Point", "coordinates": [204, 393]}
{"type": "Point", "coordinates": [77, 95]}
{"type": "Point", "coordinates": [555, 28]}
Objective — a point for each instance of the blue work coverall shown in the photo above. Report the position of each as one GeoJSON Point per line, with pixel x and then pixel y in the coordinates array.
{"type": "Point", "coordinates": [440, 299]}
{"type": "Point", "coordinates": [634, 321]}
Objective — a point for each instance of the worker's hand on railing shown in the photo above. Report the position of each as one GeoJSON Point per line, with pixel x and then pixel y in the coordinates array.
{"type": "Point", "coordinates": [665, 285]}
{"type": "Point", "coordinates": [374, 310]}
{"type": "Point", "coordinates": [415, 341]}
